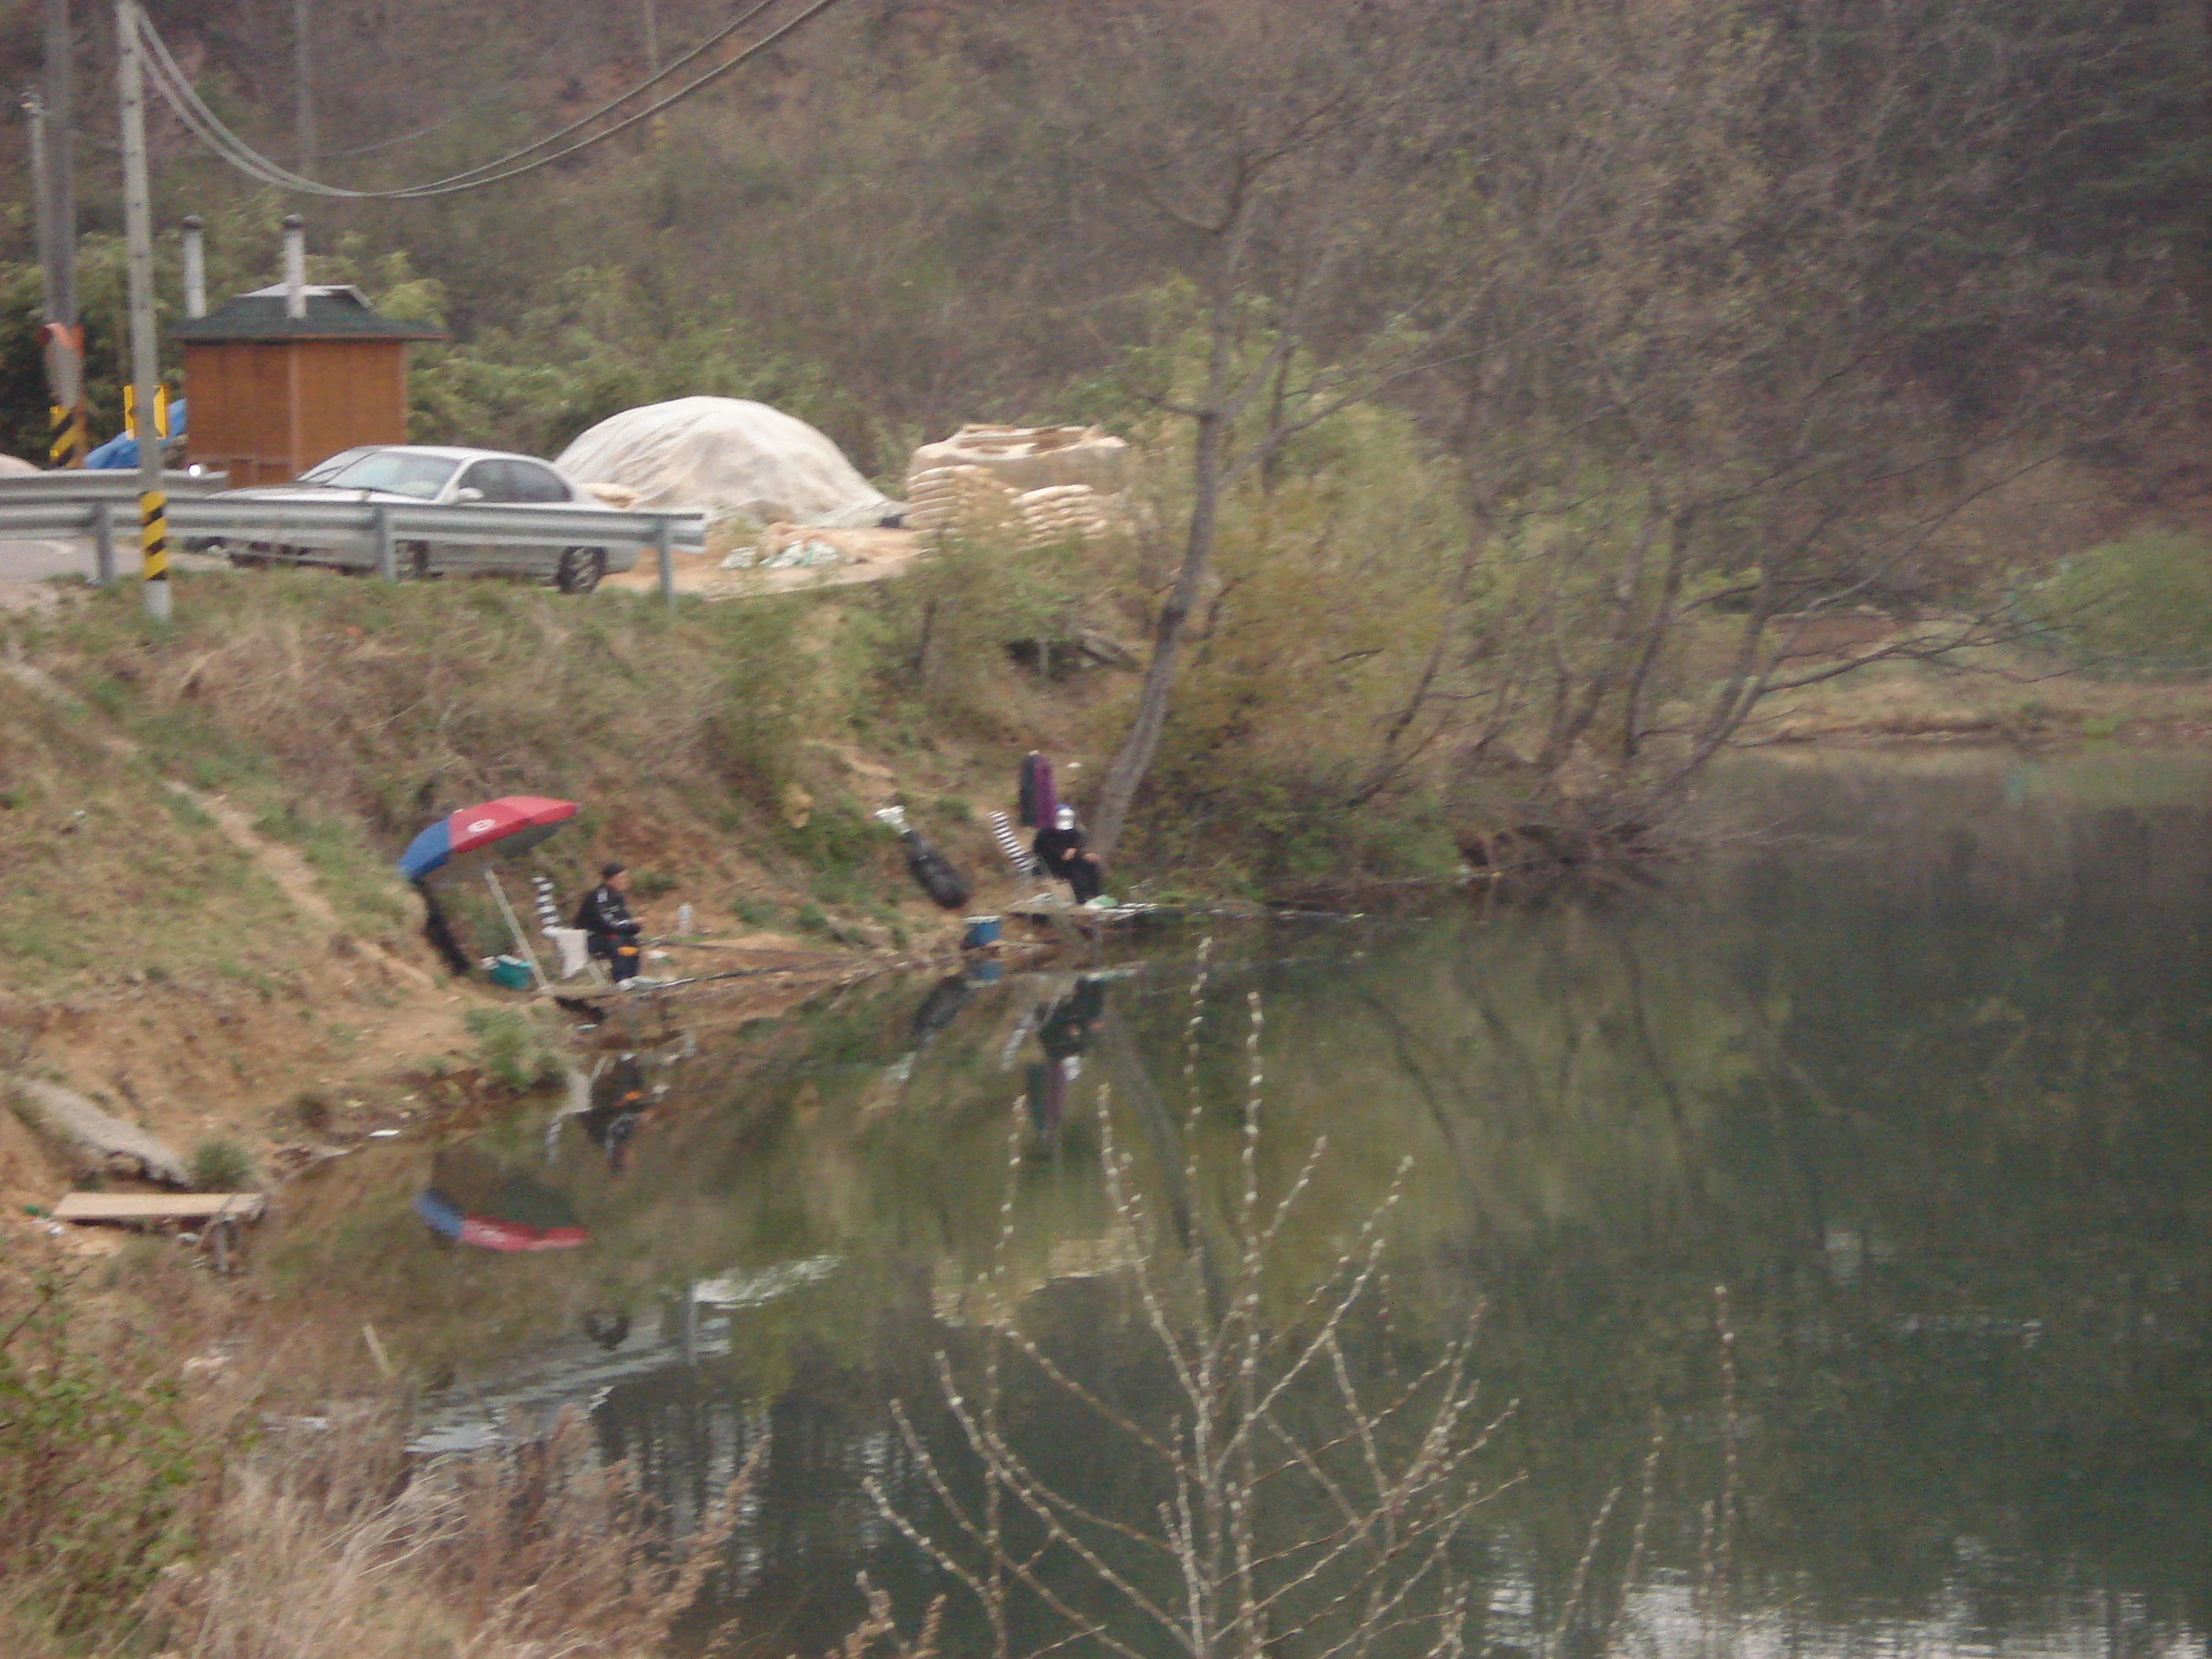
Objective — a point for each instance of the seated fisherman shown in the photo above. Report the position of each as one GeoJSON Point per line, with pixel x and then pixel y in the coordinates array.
{"type": "Point", "coordinates": [1060, 848]}
{"type": "Point", "coordinates": [604, 915]}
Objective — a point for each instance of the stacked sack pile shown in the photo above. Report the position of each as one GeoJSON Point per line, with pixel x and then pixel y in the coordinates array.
{"type": "Point", "coordinates": [1039, 484]}
{"type": "Point", "coordinates": [963, 500]}
{"type": "Point", "coordinates": [1059, 512]}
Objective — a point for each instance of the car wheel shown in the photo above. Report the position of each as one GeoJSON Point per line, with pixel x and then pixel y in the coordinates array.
{"type": "Point", "coordinates": [580, 569]}
{"type": "Point", "coordinates": [415, 562]}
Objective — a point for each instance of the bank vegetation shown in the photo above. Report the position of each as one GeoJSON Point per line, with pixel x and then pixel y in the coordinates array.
{"type": "Point", "coordinates": [1528, 391]}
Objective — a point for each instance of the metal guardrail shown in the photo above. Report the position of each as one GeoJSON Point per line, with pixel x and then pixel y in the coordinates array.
{"type": "Point", "coordinates": [100, 485]}
{"type": "Point", "coordinates": [360, 527]}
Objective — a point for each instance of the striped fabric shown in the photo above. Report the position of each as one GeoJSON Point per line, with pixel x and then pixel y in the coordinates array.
{"type": "Point", "coordinates": [1002, 831]}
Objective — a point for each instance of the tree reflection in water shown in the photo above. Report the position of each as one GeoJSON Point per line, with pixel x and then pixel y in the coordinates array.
{"type": "Point", "coordinates": [1932, 1101]}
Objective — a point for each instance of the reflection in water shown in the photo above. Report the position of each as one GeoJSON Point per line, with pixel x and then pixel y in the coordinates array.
{"type": "Point", "coordinates": [474, 1197]}
{"type": "Point", "coordinates": [1928, 1093]}
{"type": "Point", "coordinates": [1064, 1030]}
{"type": "Point", "coordinates": [620, 1103]}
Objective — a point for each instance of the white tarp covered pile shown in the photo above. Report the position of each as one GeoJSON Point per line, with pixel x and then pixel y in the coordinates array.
{"type": "Point", "coordinates": [735, 459]}
{"type": "Point", "coordinates": [1045, 483]}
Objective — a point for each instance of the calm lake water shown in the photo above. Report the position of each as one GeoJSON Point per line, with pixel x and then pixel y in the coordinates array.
{"type": "Point", "coordinates": [1925, 1082]}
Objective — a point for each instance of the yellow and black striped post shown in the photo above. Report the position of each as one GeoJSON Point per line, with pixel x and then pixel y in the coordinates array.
{"type": "Point", "coordinates": [153, 547]}
{"type": "Point", "coordinates": [65, 435]}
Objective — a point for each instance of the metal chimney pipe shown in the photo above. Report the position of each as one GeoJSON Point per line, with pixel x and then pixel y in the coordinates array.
{"type": "Point", "coordinates": [295, 266]}
{"type": "Point", "coordinates": [195, 268]}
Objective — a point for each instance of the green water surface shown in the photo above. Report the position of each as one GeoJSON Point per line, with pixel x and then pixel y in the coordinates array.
{"type": "Point", "coordinates": [1918, 1073]}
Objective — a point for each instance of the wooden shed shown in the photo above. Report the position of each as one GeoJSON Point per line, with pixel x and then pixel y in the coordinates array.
{"type": "Point", "coordinates": [271, 394]}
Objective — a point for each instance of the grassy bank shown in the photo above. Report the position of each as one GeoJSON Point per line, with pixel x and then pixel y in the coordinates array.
{"type": "Point", "coordinates": [202, 930]}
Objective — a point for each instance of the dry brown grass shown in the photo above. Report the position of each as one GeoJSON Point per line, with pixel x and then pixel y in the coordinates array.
{"type": "Point", "coordinates": [146, 1507]}
{"type": "Point", "coordinates": [380, 701]}
{"type": "Point", "coordinates": [328, 1546]}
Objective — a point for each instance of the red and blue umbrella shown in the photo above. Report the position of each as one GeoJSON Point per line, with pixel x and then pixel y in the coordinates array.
{"type": "Point", "coordinates": [510, 824]}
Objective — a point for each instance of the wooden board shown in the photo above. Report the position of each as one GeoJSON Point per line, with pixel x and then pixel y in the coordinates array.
{"type": "Point", "coordinates": [160, 1207]}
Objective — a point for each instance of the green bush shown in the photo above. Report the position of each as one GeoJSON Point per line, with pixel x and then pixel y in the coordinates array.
{"type": "Point", "coordinates": [650, 884]}
{"type": "Point", "coordinates": [220, 1165]}
{"type": "Point", "coordinates": [2141, 604]}
{"type": "Point", "coordinates": [945, 631]}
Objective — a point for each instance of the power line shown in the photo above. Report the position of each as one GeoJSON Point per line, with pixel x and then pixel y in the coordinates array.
{"type": "Point", "coordinates": [476, 101]}
{"type": "Point", "coordinates": [209, 128]}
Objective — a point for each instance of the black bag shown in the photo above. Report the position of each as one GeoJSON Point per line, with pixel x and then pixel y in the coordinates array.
{"type": "Point", "coordinates": [946, 889]}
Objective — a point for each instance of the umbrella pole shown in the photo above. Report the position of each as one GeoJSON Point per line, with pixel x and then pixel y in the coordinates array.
{"type": "Point", "coordinates": [499, 897]}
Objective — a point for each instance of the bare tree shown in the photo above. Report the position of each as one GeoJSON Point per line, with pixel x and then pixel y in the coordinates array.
{"type": "Point", "coordinates": [1753, 335]}
{"type": "Point", "coordinates": [1271, 157]}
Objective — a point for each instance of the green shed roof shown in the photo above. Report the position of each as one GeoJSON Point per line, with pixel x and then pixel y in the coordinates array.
{"type": "Point", "coordinates": [333, 313]}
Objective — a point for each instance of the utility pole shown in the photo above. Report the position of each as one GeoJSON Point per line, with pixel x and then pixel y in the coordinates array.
{"type": "Point", "coordinates": [657, 129]}
{"type": "Point", "coordinates": [145, 368]}
{"type": "Point", "coordinates": [303, 87]}
{"type": "Point", "coordinates": [195, 248]}
{"type": "Point", "coordinates": [55, 190]}
{"type": "Point", "coordinates": [42, 195]}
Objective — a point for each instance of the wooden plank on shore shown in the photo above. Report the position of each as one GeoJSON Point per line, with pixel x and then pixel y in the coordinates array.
{"type": "Point", "coordinates": [160, 1207]}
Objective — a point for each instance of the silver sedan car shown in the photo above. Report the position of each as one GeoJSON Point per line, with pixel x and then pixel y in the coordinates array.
{"type": "Point", "coordinates": [434, 476]}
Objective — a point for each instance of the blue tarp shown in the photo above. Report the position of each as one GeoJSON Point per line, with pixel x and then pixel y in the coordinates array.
{"type": "Point", "coordinates": [120, 453]}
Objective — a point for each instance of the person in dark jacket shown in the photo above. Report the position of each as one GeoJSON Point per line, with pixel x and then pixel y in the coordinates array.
{"type": "Point", "coordinates": [604, 915]}
{"type": "Point", "coordinates": [1060, 848]}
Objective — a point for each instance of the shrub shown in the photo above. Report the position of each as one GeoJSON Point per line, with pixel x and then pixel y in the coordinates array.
{"type": "Point", "coordinates": [2143, 603]}
{"type": "Point", "coordinates": [221, 1164]}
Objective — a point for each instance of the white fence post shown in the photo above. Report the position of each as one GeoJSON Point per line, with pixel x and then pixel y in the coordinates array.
{"type": "Point", "coordinates": [103, 544]}
{"type": "Point", "coordinates": [387, 556]}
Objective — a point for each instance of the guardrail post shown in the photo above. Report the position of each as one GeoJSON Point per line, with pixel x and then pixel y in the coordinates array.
{"type": "Point", "coordinates": [388, 553]}
{"type": "Point", "coordinates": [103, 544]}
{"type": "Point", "coordinates": [664, 551]}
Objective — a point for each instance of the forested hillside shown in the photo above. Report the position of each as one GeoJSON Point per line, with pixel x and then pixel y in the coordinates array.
{"type": "Point", "coordinates": [1510, 367]}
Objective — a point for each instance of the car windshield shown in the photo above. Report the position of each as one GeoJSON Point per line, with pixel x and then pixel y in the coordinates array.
{"type": "Point", "coordinates": [394, 469]}
{"type": "Point", "coordinates": [322, 470]}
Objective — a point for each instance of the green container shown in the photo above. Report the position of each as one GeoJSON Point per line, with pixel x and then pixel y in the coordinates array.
{"type": "Point", "coordinates": [512, 972]}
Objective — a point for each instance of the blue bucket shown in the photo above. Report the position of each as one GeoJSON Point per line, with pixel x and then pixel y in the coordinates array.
{"type": "Point", "coordinates": [983, 934]}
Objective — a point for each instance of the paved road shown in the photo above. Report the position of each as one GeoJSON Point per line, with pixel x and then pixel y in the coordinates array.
{"type": "Point", "coordinates": [30, 561]}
